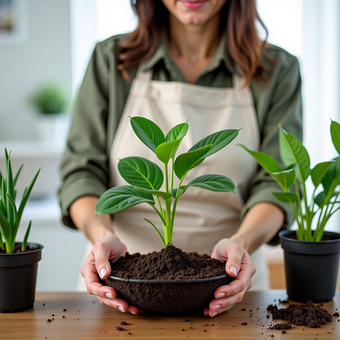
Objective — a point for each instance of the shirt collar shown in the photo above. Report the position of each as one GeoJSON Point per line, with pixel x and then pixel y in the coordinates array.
{"type": "Point", "coordinates": [162, 53]}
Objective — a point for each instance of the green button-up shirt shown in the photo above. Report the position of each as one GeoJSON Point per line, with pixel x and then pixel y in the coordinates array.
{"type": "Point", "coordinates": [103, 93]}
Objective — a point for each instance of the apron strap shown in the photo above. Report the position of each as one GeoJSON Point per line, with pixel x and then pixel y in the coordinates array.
{"type": "Point", "coordinates": [238, 81]}
{"type": "Point", "coordinates": [141, 75]}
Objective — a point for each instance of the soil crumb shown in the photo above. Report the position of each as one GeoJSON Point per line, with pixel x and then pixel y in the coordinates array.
{"type": "Point", "coordinates": [171, 263]}
{"type": "Point", "coordinates": [282, 325]}
{"type": "Point", "coordinates": [307, 314]}
{"type": "Point", "coordinates": [124, 323]}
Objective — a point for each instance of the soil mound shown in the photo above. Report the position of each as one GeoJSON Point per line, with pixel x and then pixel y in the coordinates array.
{"type": "Point", "coordinates": [170, 263]}
{"type": "Point", "coordinates": [307, 314]}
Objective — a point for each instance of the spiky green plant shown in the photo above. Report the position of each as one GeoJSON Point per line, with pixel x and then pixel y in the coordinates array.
{"type": "Point", "coordinates": [146, 178]}
{"type": "Point", "coordinates": [10, 214]}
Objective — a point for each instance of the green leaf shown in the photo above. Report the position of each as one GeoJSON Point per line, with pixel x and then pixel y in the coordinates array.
{"type": "Point", "coordinates": [319, 171]}
{"type": "Point", "coordinates": [177, 132]}
{"type": "Point", "coordinates": [174, 192]}
{"type": "Point", "coordinates": [189, 160]}
{"type": "Point", "coordinates": [9, 174]}
{"type": "Point", "coordinates": [148, 132]}
{"type": "Point", "coordinates": [335, 134]}
{"type": "Point", "coordinates": [3, 200]}
{"type": "Point", "coordinates": [285, 177]}
{"type": "Point", "coordinates": [24, 242]}
{"type": "Point", "coordinates": [141, 172]}
{"type": "Point", "coordinates": [293, 152]}
{"type": "Point", "coordinates": [320, 198]}
{"type": "Point", "coordinates": [26, 195]}
{"type": "Point", "coordinates": [157, 193]}
{"type": "Point", "coordinates": [332, 177]}
{"type": "Point", "coordinates": [6, 228]}
{"type": "Point", "coordinates": [120, 198]}
{"type": "Point", "coordinates": [218, 139]}
{"type": "Point", "coordinates": [267, 162]}
{"type": "Point", "coordinates": [166, 150]}
{"type": "Point", "coordinates": [285, 197]}
{"type": "Point", "coordinates": [15, 223]}
{"type": "Point", "coordinates": [17, 174]}
{"type": "Point", "coordinates": [212, 182]}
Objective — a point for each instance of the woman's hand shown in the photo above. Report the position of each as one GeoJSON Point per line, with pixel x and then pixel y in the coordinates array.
{"type": "Point", "coordinates": [107, 248]}
{"type": "Point", "coordinates": [240, 266]}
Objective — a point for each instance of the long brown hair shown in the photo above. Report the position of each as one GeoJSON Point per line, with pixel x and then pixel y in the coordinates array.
{"type": "Point", "coordinates": [238, 19]}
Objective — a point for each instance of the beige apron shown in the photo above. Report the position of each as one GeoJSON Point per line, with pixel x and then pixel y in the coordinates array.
{"type": "Point", "coordinates": [203, 217]}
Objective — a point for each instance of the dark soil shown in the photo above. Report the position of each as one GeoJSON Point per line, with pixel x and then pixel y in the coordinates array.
{"type": "Point", "coordinates": [170, 263]}
{"type": "Point", "coordinates": [307, 314]}
{"type": "Point", "coordinates": [282, 325]}
{"type": "Point", "coordinates": [17, 249]}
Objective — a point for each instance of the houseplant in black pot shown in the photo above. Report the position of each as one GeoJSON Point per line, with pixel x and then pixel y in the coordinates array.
{"type": "Point", "coordinates": [18, 261]}
{"type": "Point", "coordinates": [311, 254]}
{"type": "Point", "coordinates": [164, 274]}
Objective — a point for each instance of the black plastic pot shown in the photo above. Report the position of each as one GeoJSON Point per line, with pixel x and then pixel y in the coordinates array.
{"type": "Point", "coordinates": [18, 274]}
{"type": "Point", "coordinates": [311, 267]}
{"type": "Point", "coordinates": [168, 296]}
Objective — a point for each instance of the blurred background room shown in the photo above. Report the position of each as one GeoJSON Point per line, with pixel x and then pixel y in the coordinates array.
{"type": "Point", "coordinates": [46, 44]}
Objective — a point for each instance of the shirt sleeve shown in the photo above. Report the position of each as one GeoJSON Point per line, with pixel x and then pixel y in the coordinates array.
{"type": "Point", "coordinates": [283, 107]}
{"type": "Point", "coordinates": [84, 167]}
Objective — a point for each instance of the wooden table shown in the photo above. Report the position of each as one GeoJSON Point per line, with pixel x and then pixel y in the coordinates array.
{"type": "Point", "coordinates": [85, 318]}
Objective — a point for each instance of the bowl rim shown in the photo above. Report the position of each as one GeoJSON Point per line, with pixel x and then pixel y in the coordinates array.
{"type": "Point", "coordinates": [207, 279]}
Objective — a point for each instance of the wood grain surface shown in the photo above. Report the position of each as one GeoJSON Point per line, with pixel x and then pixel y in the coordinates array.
{"type": "Point", "coordinates": [85, 318]}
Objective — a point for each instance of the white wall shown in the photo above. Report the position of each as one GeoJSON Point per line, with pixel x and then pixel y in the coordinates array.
{"type": "Point", "coordinates": [46, 56]}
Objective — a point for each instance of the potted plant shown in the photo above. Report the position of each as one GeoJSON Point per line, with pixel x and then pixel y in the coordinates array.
{"type": "Point", "coordinates": [18, 260]}
{"type": "Point", "coordinates": [311, 254]}
{"type": "Point", "coordinates": [50, 103]}
{"type": "Point", "coordinates": [146, 179]}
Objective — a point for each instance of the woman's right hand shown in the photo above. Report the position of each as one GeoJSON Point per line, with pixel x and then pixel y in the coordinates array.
{"type": "Point", "coordinates": [107, 248]}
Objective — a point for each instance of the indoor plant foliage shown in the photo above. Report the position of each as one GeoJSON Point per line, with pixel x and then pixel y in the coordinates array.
{"type": "Point", "coordinates": [146, 181]}
{"type": "Point", "coordinates": [49, 99]}
{"type": "Point", "coordinates": [325, 177]}
{"type": "Point", "coordinates": [146, 178]}
{"type": "Point", "coordinates": [310, 247]}
{"type": "Point", "coordinates": [10, 214]}
{"type": "Point", "coordinates": [18, 261]}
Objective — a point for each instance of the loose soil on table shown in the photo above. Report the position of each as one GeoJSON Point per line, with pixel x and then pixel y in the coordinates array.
{"type": "Point", "coordinates": [170, 263]}
{"type": "Point", "coordinates": [306, 314]}
{"type": "Point", "coordinates": [17, 249]}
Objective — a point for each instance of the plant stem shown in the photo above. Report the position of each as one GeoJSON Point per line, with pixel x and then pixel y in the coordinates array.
{"type": "Point", "coordinates": [172, 175]}
{"type": "Point", "coordinates": [300, 230]}
{"type": "Point", "coordinates": [158, 213]}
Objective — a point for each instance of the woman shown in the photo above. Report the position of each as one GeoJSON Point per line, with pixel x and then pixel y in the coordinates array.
{"type": "Point", "coordinates": [200, 60]}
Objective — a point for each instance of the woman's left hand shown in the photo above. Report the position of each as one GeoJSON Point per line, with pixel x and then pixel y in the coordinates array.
{"type": "Point", "coordinates": [240, 266]}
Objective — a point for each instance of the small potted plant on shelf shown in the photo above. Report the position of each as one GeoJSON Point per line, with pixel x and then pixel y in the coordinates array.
{"type": "Point", "coordinates": [311, 254]}
{"type": "Point", "coordinates": [50, 102]}
{"type": "Point", "coordinates": [18, 260]}
{"type": "Point", "coordinates": [193, 288]}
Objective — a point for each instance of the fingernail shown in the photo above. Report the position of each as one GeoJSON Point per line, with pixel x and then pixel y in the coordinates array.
{"type": "Point", "coordinates": [103, 272]}
{"type": "Point", "coordinates": [121, 309]}
{"type": "Point", "coordinates": [220, 295]}
{"type": "Point", "coordinates": [216, 307]}
{"type": "Point", "coordinates": [109, 295]}
{"type": "Point", "coordinates": [132, 312]}
{"type": "Point", "coordinates": [213, 314]}
{"type": "Point", "coordinates": [233, 270]}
